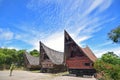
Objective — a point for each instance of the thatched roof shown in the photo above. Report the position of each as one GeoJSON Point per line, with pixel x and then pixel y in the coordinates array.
{"type": "Point", "coordinates": [55, 56]}
{"type": "Point", "coordinates": [31, 59]}
{"type": "Point", "coordinates": [87, 51]}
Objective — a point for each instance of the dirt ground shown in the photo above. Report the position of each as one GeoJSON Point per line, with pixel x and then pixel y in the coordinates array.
{"type": "Point", "coordinates": [27, 75]}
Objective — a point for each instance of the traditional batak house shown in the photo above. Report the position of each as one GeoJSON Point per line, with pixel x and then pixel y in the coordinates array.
{"type": "Point", "coordinates": [78, 60]}
{"type": "Point", "coordinates": [31, 62]}
{"type": "Point", "coordinates": [51, 60]}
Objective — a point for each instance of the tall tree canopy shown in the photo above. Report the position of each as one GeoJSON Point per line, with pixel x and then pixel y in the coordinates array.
{"type": "Point", "coordinates": [114, 35]}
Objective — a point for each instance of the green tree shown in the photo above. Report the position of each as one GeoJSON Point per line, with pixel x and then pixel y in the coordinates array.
{"type": "Point", "coordinates": [34, 53]}
{"type": "Point", "coordinates": [114, 35]}
{"type": "Point", "coordinates": [8, 56]}
{"type": "Point", "coordinates": [111, 58]}
{"type": "Point", "coordinates": [11, 55]}
{"type": "Point", "coordinates": [2, 59]}
{"type": "Point", "coordinates": [109, 65]}
{"type": "Point", "coordinates": [20, 59]}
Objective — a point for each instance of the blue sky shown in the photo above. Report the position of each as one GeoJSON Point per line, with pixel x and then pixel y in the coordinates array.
{"type": "Point", "coordinates": [23, 23]}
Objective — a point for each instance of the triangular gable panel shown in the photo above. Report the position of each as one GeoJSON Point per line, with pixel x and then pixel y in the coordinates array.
{"type": "Point", "coordinates": [43, 55]}
{"type": "Point", "coordinates": [71, 49]}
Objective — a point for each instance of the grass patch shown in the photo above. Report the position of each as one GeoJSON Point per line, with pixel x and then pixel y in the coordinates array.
{"type": "Point", "coordinates": [61, 73]}
{"type": "Point", "coordinates": [35, 71]}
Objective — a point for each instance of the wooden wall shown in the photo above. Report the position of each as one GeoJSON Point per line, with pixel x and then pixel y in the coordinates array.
{"type": "Point", "coordinates": [79, 63]}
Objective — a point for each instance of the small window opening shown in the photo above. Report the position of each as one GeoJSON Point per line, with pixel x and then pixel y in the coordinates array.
{"type": "Point", "coordinates": [87, 64]}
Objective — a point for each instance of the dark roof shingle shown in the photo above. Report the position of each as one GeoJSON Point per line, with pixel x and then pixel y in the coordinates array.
{"type": "Point", "coordinates": [31, 59]}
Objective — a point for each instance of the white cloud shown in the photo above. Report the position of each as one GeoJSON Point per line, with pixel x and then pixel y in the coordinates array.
{"type": "Point", "coordinates": [106, 4]}
{"type": "Point", "coordinates": [94, 5]}
{"type": "Point", "coordinates": [72, 16]}
{"type": "Point", "coordinates": [99, 52]}
{"type": "Point", "coordinates": [105, 47]}
{"type": "Point", "coordinates": [83, 38]}
{"type": "Point", "coordinates": [55, 41]}
{"type": "Point", "coordinates": [11, 47]}
{"type": "Point", "coordinates": [105, 44]}
{"type": "Point", "coordinates": [6, 34]}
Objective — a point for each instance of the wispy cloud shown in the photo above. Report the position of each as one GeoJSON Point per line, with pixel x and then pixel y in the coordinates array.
{"type": "Point", "coordinates": [6, 34]}
{"type": "Point", "coordinates": [55, 41]}
{"type": "Point", "coordinates": [53, 16]}
{"type": "Point", "coordinates": [72, 15]}
{"type": "Point", "coordinates": [104, 44]}
{"type": "Point", "coordinates": [95, 4]}
{"type": "Point", "coordinates": [99, 52]}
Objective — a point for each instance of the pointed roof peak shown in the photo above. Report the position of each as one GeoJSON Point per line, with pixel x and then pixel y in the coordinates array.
{"type": "Point", "coordinates": [87, 51]}
{"type": "Point", "coordinates": [40, 42]}
{"type": "Point", "coordinates": [65, 31]}
{"type": "Point", "coordinates": [55, 56]}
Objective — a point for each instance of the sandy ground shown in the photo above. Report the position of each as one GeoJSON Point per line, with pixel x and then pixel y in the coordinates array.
{"type": "Point", "coordinates": [26, 75]}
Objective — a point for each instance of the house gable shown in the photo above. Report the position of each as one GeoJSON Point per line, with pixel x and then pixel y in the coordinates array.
{"type": "Point", "coordinates": [75, 56]}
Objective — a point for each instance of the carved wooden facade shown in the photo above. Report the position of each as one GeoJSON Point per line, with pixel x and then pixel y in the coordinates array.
{"type": "Point", "coordinates": [50, 60]}
{"type": "Point", "coordinates": [78, 60]}
{"type": "Point", "coordinates": [31, 62]}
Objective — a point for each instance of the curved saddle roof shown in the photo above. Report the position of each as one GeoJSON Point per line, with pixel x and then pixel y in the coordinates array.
{"type": "Point", "coordinates": [55, 56]}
